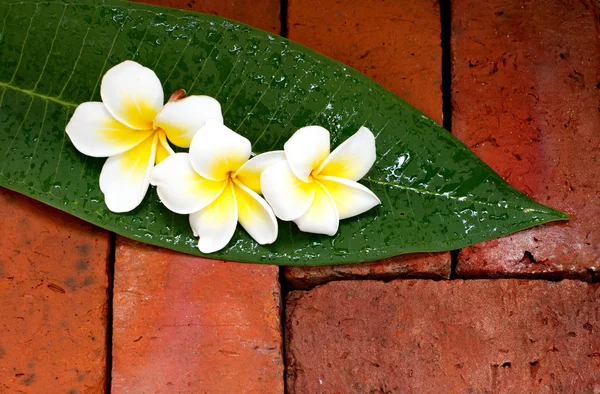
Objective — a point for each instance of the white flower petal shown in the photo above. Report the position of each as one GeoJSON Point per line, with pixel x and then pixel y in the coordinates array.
{"type": "Point", "coordinates": [180, 188]}
{"type": "Point", "coordinates": [353, 158]}
{"type": "Point", "coordinates": [125, 178]}
{"type": "Point", "coordinates": [163, 150]}
{"type": "Point", "coordinates": [322, 216]}
{"type": "Point", "coordinates": [132, 94]}
{"type": "Point", "coordinates": [250, 172]}
{"type": "Point", "coordinates": [255, 215]}
{"type": "Point", "coordinates": [94, 132]}
{"type": "Point", "coordinates": [181, 119]}
{"type": "Point", "coordinates": [351, 198]}
{"type": "Point", "coordinates": [289, 197]}
{"type": "Point", "coordinates": [306, 150]}
{"type": "Point", "coordinates": [216, 151]}
{"type": "Point", "coordinates": [216, 223]}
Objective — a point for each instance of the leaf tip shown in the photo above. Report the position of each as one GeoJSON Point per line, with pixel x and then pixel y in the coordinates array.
{"type": "Point", "coordinates": [556, 215]}
{"type": "Point", "coordinates": [562, 215]}
{"type": "Point", "coordinates": [546, 213]}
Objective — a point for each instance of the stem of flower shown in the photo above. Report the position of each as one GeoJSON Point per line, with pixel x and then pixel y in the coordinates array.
{"type": "Point", "coordinates": [177, 95]}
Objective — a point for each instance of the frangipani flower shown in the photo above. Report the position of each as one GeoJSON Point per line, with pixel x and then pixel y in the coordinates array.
{"type": "Point", "coordinates": [218, 186]}
{"type": "Point", "coordinates": [316, 189]}
{"type": "Point", "coordinates": [131, 126]}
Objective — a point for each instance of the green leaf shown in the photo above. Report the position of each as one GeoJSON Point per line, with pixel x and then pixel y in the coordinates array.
{"type": "Point", "coordinates": [436, 194]}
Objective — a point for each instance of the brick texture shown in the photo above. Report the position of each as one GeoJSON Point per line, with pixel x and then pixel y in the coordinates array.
{"type": "Point", "coordinates": [53, 287]}
{"type": "Point", "coordinates": [184, 324]}
{"type": "Point", "coordinates": [398, 45]}
{"type": "Point", "coordinates": [526, 100]}
{"type": "Point", "coordinates": [420, 336]}
{"type": "Point", "coordinates": [395, 43]}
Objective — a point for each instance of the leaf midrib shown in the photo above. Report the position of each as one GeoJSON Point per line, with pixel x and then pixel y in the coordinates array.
{"type": "Point", "coordinates": [451, 197]}
{"type": "Point", "coordinates": [35, 94]}
{"type": "Point", "coordinates": [65, 103]}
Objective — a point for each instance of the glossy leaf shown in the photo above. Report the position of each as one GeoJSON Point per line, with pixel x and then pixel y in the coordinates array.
{"type": "Point", "coordinates": [436, 194]}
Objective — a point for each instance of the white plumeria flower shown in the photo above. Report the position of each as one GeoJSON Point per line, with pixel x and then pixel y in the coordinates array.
{"type": "Point", "coordinates": [316, 189]}
{"type": "Point", "coordinates": [217, 185]}
{"type": "Point", "coordinates": [131, 126]}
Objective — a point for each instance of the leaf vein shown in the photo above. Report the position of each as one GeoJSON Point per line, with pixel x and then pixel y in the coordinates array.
{"type": "Point", "coordinates": [178, 59]}
{"type": "Point", "coordinates": [24, 43]}
{"type": "Point", "coordinates": [206, 60]}
{"type": "Point", "coordinates": [37, 143]}
{"type": "Point", "coordinates": [448, 195]}
{"type": "Point", "coordinates": [37, 95]}
{"type": "Point", "coordinates": [140, 44]}
{"type": "Point", "coordinates": [16, 135]}
{"type": "Point", "coordinates": [4, 21]}
{"type": "Point", "coordinates": [237, 60]}
{"type": "Point", "coordinates": [112, 47]}
{"type": "Point", "coordinates": [51, 48]}
{"type": "Point", "coordinates": [251, 112]}
{"type": "Point", "coordinates": [281, 106]}
{"type": "Point", "coordinates": [62, 148]}
{"type": "Point", "coordinates": [76, 63]}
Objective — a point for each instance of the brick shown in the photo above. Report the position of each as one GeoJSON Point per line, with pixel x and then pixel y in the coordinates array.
{"type": "Point", "coordinates": [263, 14]}
{"type": "Point", "coordinates": [379, 39]}
{"type": "Point", "coordinates": [526, 100]}
{"type": "Point", "coordinates": [420, 336]}
{"type": "Point", "coordinates": [417, 265]}
{"type": "Point", "coordinates": [53, 287]}
{"type": "Point", "coordinates": [398, 45]}
{"type": "Point", "coordinates": [184, 324]}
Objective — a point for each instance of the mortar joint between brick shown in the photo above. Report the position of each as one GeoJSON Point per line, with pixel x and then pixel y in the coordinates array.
{"type": "Point", "coordinates": [446, 43]}
{"type": "Point", "coordinates": [110, 273]}
{"type": "Point", "coordinates": [283, 17]}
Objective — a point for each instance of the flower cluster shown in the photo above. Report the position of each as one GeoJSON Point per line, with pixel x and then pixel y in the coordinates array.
{"type": "Point", "coordinates": [219, 182]}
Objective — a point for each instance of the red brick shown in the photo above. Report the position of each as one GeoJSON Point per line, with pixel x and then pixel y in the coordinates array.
{"type": "Point", "coordinates": [418, 265]}
{"type": "Point", "coordinates": [395, 43]}
{"type": "Point", "coordinates": [263, 14]}
{"type": "Point", "coordinates": [53, 287]}
{"type": "Point", "coordinates": [184, 324]}
{"type": "Point", "coordinates": [381, 40]}
{"type": "Point", "coordinates": [526, 100]}
{"type": "Point", "coordinates": [420, 336]}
